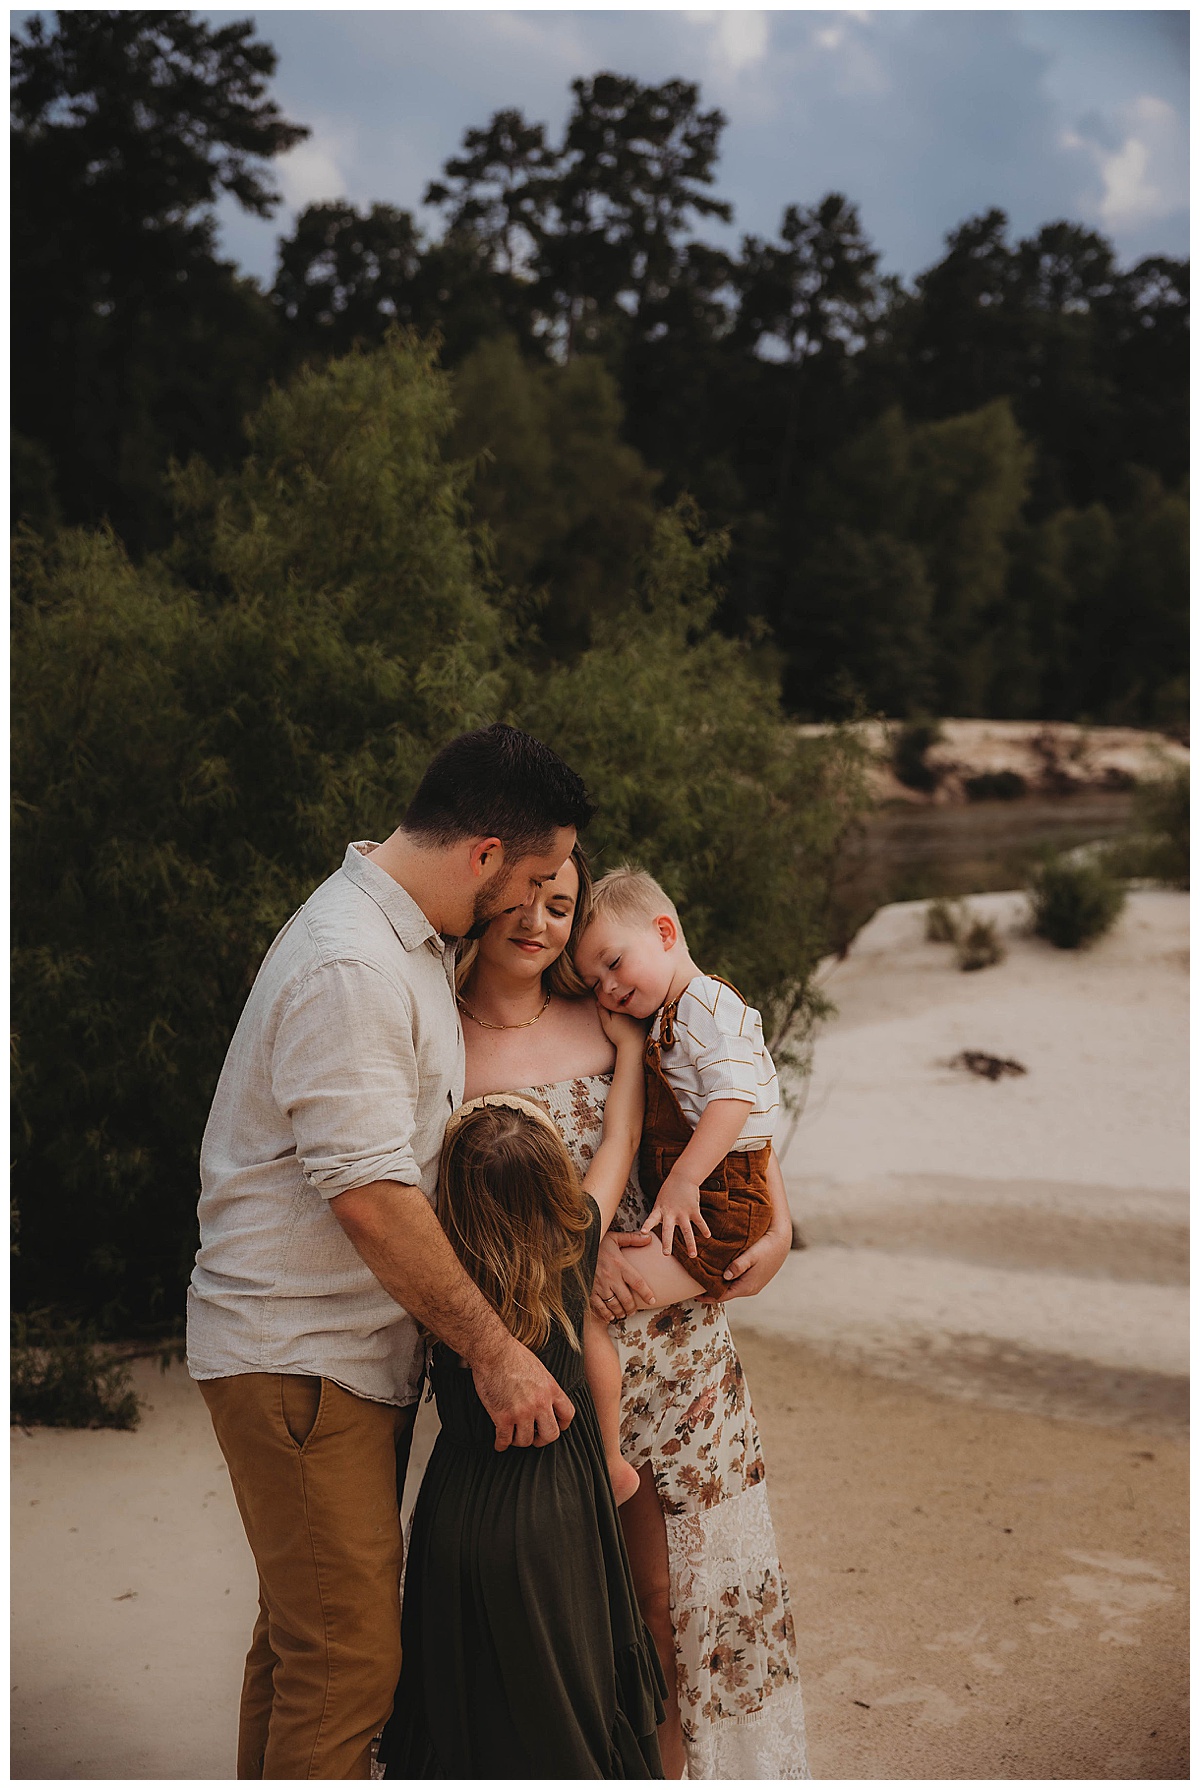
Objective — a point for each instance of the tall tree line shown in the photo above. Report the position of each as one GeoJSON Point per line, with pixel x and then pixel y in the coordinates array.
{"type": "Point", "coordinates": [960, 495]}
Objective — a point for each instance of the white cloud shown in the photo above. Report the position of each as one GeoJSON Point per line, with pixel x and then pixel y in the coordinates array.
{"type": "Point", "coordinates": [857, 68]}
{"type": "Point", "coordinates": [742, 38]}
{"type": "Point", "coordinates": [1141, 164]}
{"type": "Point", "coordinates": [738, 39]}
{"type": "Point", "coordinates": [314, 170]}
{"type": "Point", "coordinates": [1128, 194]}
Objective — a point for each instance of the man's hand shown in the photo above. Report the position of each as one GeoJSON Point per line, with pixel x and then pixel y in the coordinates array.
{"type": "Point", "coordinates": [523, 1400]}
{"type": "Point", "coordinates": [395, 1231]}
{"type": "Point", "coordinates": [749, 1273]}
{"type": "Point", "coordinates": [618, 1289]}
{"type": "Point", "coordinates": [677, 1208]}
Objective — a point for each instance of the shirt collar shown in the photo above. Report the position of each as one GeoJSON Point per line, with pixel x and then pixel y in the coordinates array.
{"type": "Point", "coordinates": [407, 920]}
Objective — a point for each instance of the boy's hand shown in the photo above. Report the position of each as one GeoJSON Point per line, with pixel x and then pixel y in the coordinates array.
{"type": "Point", "coordinates": [677, 1208]}
{"type": "Point", "coordinates": [621, 1029]}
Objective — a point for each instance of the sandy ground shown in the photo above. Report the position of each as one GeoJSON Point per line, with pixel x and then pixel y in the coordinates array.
{"type": "Point", "coordinates": [970, 1387]}
{"type": "Point", "coordinates": [1023, 1240]}
{"type": "Point", "coordinates": [977, 1593]}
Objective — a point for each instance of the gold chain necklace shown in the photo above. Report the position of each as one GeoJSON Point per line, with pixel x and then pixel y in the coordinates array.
{"type": "Point", "coordinates": [488, 1025]}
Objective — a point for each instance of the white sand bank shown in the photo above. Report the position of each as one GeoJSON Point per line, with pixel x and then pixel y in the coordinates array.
{"type": "Point", "coordinates": [1048, 755]}
{"type": "Point", "coordinates": [987, 1236]}
{"type": "Point", "coordinates": [133, 1594]}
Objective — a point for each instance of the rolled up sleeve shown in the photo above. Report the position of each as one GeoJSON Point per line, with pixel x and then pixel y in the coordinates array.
{"type": "Point", "coordinates": [344, 1069]}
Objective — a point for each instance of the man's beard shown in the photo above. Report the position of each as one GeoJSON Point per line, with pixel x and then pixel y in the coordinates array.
{"type": "Point", "coordinates": [489, 905]}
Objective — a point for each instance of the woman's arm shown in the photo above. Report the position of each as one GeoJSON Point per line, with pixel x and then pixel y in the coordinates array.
{"type": "Point", "coordinates": [608, 1173]}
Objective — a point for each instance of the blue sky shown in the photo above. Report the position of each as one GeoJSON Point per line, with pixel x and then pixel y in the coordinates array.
{"type": "Point", "coordinates": [921, 118]}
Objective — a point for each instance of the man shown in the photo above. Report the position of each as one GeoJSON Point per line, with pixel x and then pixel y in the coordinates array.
{"type": "Point", "coordinates": [320, 1251]}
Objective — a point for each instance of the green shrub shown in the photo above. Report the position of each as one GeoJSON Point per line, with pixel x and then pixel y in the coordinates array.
{"type": "Point", "coordinates": [1158, 846]}
{"type": "Point", "coordinates": [980, 945]}
{"type": "Point", "coordinates": [1162, 814]}
{"type": "Point", "coordinates": [1074, 902]}
{"type": "Point", "coordinates": [742, 823]}
{"type": "Point", "coordinates": [909, 755]}
{"type": "Point", "coordinates": [995, 786]}
{"type": "Point", "coordinates": [59, 1377]}
{"type": "Point", "coordinates": [943, 921]}
{"type": "Point", "coordinates": [197, 738]}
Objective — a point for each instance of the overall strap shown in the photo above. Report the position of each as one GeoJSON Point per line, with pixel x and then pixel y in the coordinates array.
{"type": "Point", "coordinates": [665, 1121]}
{"type": "Point", "coordinates": [666, 1027]}
{"type": "Point", "coordinates": [729, 985]}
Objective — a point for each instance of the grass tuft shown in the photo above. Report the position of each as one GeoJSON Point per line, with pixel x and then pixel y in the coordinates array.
{"type": "Point", "coordinates": [1074, 902]}
{"type": "Point", "coordinates": [60, 1377]}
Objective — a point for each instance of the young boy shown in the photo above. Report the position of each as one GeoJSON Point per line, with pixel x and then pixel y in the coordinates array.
{"type": "Point", "coordinates": [712, 1096]}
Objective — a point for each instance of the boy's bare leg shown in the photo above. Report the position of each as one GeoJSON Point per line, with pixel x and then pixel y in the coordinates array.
{"type": "Point", "coordinates": [666, 1277]}
{"type": "Point", "coordinates": [603, 1368]}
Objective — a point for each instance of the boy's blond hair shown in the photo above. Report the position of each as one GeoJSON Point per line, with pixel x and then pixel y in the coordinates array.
{"type": "Point", "coordinates": [631, 893]}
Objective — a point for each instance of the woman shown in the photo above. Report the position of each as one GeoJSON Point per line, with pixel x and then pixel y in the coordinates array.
{"type": "Point", "coordinates": [698, 1531]}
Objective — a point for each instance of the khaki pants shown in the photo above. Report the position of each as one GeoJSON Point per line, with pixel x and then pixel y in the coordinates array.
{"type": "Point", "coordinates": [318, 1475]}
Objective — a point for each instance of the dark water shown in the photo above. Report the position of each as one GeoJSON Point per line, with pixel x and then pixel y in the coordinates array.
{"type": "Point", "coordinates": [910, 853]}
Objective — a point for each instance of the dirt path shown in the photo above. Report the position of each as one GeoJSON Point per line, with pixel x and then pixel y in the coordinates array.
{"type": "Point", "coordinates": [978, 1593]}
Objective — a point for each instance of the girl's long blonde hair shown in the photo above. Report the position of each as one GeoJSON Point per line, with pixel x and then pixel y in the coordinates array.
{"type": "Point", "coordinates": [562, 977]}
{"type": "Point", "coordinates": [517, 1217]}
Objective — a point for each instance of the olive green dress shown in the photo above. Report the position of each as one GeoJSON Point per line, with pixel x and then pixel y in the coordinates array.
{"type": "Point", "coordinates": [525, 1654]}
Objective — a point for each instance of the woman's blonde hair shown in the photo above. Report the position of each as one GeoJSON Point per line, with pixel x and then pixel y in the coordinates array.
{"type": "Point", "coordinates": [562, 977]}
{"type": "Point", "coordinates": [511, 1203]}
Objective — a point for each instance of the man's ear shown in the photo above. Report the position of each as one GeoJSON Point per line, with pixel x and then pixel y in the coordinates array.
{"type": "Point", "coordinates": [487, 855]}
{"type": "Point", "coordinates": [667, 931]}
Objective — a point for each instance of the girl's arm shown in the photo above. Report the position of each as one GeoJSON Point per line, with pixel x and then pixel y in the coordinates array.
{"type": "Point", "coordinates": [608, 1172]}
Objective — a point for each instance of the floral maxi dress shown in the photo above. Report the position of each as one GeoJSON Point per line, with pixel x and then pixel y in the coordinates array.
{"type": "Point", "coordinates": [686, 1413]}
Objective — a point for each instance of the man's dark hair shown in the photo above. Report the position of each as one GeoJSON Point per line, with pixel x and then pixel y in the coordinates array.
{"type": "Point", "coordinates": [498, 781]}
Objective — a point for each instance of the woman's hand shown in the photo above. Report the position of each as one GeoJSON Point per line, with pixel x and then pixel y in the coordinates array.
{"type": "Point", "coordinates": [621, 1030]}
{"type": "Point", "coordinates": [754, 1268]}
{"type": "Point", "coordinates": [618, 1289]}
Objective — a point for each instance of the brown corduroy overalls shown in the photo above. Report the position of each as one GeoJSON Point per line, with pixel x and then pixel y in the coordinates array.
{"type": "Point", "coordinates": [734, 1200]}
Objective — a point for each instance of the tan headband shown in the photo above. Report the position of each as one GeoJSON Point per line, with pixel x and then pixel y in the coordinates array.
{"type": "Point", "coordinates": [515, 1102]}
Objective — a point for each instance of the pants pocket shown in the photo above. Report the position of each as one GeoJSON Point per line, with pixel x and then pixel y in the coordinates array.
{"type": "Point", "coordinates": [300, 1402]}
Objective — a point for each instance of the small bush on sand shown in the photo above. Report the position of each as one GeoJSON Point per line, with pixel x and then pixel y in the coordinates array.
{"type": "Point", "coordinates": [908, 754]}
{"type": "Point", "coordinates": [943, 922]}
{"type": "Point", "coordinates": [1162, 826]}
{"type": "Point", "coordinates": [59, 1377]}
{"type": "Point", "coordinates": [995, 786]}
{"type": "Point", "coordinates": [979, 944]}
{"type": "Point", "coordinates": [1074, 903]}
{"type": "Point", "coordinates": [1163, 809]}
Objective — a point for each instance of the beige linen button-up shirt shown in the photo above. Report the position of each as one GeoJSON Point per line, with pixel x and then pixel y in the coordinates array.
{"type": "Point", "coordinates": [345, 1065]}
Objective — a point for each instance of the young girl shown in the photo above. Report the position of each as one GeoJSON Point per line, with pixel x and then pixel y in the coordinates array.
{"type": "Point", "coordinates": [525, 1654]}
